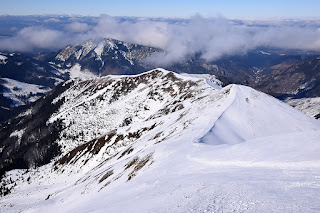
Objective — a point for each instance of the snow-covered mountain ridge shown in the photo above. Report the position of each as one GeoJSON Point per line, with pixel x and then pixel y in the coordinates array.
{"type": "Point", "coordinates": [94, 58]}
{"type": "Point", "coordinates": [24, 79]}
{"type": "Point", "coordinates": [104, 57]}
{"type": "Point", "coordinates": [164, 142]}
{"type": "Point", "coordinates": [124, 100]}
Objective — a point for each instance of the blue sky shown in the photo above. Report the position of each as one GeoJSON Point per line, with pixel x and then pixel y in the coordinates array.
{"type": "Point", "coordinates": [166, 8]}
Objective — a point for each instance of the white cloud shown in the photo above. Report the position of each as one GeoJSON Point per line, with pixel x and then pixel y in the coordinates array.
{"type": "Point", "coordinates": [143, 32]}
{"type": "Point", "coordinates": [77, 27]}
{"type": "Point", "coordinates": [212, 38]}
{"type": "Point", "coordinates": [33, 38]}
{"type": "Point", "coordinates": [54, 20]}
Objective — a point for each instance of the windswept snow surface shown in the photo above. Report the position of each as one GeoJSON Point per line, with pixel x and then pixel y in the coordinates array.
{"type": "Point", "coordinates": [230, 149]}
{"type": "Point", "coordinates": [210, 79]}
{"type": "Point", "coordinates": [251, 115]}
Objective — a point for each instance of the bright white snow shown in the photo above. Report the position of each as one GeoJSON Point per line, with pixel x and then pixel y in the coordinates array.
{"type": "Point", "coordinates": [21, 92]}
{"type": "Point", "coordinates": [99, 49]}
{"type": "Point", "coordinates": [231, 149]}
{"type": "Point", "coordinates": [2, 57]}
{"type": "Point", "coordinates": [76, 72]}
{"type": "Point", "coordinates": [265, 53]}
{"type": "Point", "coordinates": [210, 79]}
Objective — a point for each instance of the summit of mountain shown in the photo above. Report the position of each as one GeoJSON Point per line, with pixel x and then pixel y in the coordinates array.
{"type": "Point", "coordinates": [159, 142]}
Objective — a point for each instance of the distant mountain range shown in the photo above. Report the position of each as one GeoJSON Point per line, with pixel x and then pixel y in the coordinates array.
{"type": "Point", "coordinates": [105, 57]}
{"type": "Point", "coordinates": [24, 79]}
{"type": "Point", "coordinates": [298, 85]}
{"type": "Point", "coordinates": [297, 81]}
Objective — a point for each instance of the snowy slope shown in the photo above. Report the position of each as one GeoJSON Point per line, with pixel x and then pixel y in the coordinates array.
{"type": "Point", "coordinates": [163, 142]}
{"type": "Point", "coordinates": [22, 93]}
{"type": "Point", "coordinates": [255, 119]}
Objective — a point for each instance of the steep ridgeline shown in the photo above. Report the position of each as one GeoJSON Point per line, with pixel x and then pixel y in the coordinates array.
{"type": "Point", "coordinates": [24, 80]}
{"type": "Point", "coordinates": [105, 57]}
{"type": "Point", "coordinates": [88, 110]}
{"type": "Point", "coordinates": [164, 142]}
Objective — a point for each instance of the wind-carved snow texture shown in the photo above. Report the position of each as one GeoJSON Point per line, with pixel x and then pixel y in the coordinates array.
{"type": "Point", "coordinates": [255, 114]}
{"type": "Point", "coordinates": [163, 142]}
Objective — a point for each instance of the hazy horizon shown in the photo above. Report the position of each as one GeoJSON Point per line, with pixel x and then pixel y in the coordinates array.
{"type": "Point", "coordinates": [165, 8]}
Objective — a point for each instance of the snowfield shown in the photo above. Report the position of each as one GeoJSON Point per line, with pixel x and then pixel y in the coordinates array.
{"type": "Point", "coordinates": [76, 72]}
{"type": "Point", "coordinates": [163, 142]}
{"type": "Point", "coordinates": [22, 93]}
